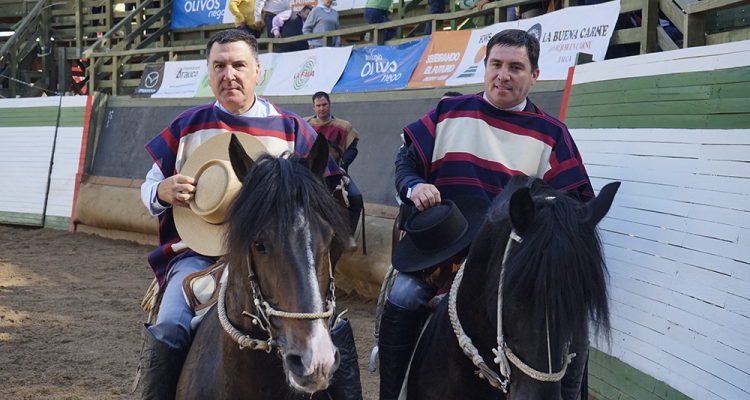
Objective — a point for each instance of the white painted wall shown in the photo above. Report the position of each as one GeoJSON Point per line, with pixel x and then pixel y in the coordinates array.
{"type": "Point", "coordinates": [677, 243]}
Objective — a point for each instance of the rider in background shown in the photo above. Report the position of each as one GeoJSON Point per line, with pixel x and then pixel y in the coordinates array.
{"type": "Point", "coordinates": [233, 73]}
{"type": "Point", "coordinates": [346, 137]}
{"type": "Point", "coordinates": [473, 145]}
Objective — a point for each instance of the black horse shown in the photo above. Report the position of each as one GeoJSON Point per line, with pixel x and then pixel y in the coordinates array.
{"type": "Point", "coordinates": [545, 246]}
{"type": "Point", "coordinates": [285, 235]}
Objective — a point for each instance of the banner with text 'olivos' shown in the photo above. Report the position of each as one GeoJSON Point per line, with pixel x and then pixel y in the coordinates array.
{"type": "Point", "coordinates": [303, 72]}
{"type": "Point", "coordinates": [192, 13]}
{"type": "Point", "coordinates": [381, 67]}
{"type": "Point", "coordinates": [457, 57]}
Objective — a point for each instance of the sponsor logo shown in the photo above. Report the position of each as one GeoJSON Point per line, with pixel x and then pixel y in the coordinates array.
{"type": "Point", "coordinates": [443, 57]}
{"type": "Point", "coordinates": [187, 72]}
{"type": "Point", "coordinates": [211, 8]}
{"type": "Point", "coordinates": [304, 74]}
{"type": "Point", "coordinates": [151, 79]}
{"type": "Point", "coordinates": [536, 31]}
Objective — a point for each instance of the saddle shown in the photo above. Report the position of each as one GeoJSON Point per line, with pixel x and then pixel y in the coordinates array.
{"type": "Point", "coordinates": [201, 289]}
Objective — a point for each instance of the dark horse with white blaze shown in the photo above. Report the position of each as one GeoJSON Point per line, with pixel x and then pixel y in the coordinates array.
{"type": "Point", "coordinates": [285, 234]}
{"type": "Point", "coordinates": [538, 260]}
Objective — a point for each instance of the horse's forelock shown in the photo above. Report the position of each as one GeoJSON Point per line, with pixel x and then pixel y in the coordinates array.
{"type": "Point", "coordinates": [271, 195]}
{"type": "Point", "coordinates": [560, 266]}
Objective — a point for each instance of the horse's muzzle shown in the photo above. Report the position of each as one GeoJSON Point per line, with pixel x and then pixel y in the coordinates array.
{"type": "Point", "coordinates": [313, 375]}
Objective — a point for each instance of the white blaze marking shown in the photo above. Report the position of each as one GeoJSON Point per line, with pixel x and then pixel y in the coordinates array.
{"type": "Point", "coordinates": [319, 340]}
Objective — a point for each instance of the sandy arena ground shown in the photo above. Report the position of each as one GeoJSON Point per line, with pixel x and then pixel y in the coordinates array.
{"type": "Point", "coordinates": [70, 316]}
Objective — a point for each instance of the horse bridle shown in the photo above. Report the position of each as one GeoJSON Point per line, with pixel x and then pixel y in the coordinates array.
{"type": "Point", "coordinates": [502, 352]}
{"type": "Point", "coordinates": [266, 311]}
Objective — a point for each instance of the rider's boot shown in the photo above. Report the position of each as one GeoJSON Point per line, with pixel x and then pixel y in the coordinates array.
{"type": "Point", "coordinates": [399, 331]}
{"type": "Point", "coordinates": [160, 368]}
{"type": "Point", "coordinates": [571, 384]}
{"type": "Point", "coordinates": [346, 384]}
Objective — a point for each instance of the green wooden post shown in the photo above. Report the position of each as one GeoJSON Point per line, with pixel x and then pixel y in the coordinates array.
{"type": "Point", "coordinates": [79, 27]}
{"type": "Point", "coordinates": [92, 71]}
{"type": "Point", "coordinates": [649, 23]}
{"type": "Point", "coordinates": [694, 31]}
{"type": "Point", "coordinates": [110, 16]}
{"type": "Point", "coordinates": [13, 69]}
{"type": "Point", "coordinates": [115, 75]}
{"type": "Point", "coordinates": [48, 55]}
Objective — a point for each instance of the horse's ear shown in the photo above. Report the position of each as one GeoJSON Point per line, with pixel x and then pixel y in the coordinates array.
{"type": "Point", "coordinates": [599, 206]}
{"type": "Point", "coordinates": [521, 210]}
{"type": "Point", "coordinates": [241, 161]}
{"type": "Point", "coordinates": [317, 161]}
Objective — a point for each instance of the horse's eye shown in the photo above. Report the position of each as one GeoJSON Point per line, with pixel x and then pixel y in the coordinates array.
{"type": "Point", "coordinates": [259, 247]}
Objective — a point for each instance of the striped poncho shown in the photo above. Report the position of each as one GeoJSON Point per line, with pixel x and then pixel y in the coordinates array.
{"type": "Point", "coordinates": [281, 131]}
{"type": "Point", "coordinates": [466, 146]}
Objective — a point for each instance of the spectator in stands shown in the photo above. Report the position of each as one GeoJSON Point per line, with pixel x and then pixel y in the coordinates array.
{"type": "Point", "coordinates": [233, 73]}
{"type": "Point", "coordinates": [244, 16]}
{"type": "Point", "coordinates": [343, 134]}
{"type": "Point", "coordinates": [377, 11]}
{"type": "Point", "coordinates": [436, 7]}
{"type": "Point", "coordinates": [289, 23]}
{"type": "Point", "coordinates": [272, 8]}
{"type": "Point", "coordinates": [322, 18]}
{"type": "Point", "coordinates": [430, 168]}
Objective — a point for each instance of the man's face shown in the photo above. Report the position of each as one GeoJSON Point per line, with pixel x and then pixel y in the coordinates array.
{"type": "Point", "coordinates": [233, 73]}
{"type": "Point", "coordinates": [304, 13]}
{"type": "Point", "coordinates": [322, 108]}
{"type": "Point", "coordinates": [508, 76]}
{"type": "Point", "coordinates": [327, 3]}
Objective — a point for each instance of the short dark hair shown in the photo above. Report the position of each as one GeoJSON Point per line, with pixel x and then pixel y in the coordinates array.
{"type": "Point", "coordinates": [320, 95]}
{"type": "Point", "coordinates": [306, 7]}
{"type": "Point", "coordinates": [516, 38]}
{"type": "Point", "coordinates": [452, 94]}
{"type": "Point", "coordinates": [231, 36]}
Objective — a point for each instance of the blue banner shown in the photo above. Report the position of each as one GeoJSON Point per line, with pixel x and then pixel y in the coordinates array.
{"type": "Point", "coordinates": [191, 13]}
{"type": "Point", "coordinates": [381, 67]}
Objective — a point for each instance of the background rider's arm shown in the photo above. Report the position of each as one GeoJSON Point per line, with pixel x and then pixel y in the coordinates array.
{"type": "Point", "coordinates": [149, 191]}
{"type": "Point", "coordinates": [408, 170]}
{"type": "Point", "coordinates": [349, 155]}
{"type": "Point", "coordinates": [235, 9]}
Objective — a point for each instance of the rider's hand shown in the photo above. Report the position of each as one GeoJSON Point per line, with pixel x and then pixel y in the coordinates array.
{"type": "Point", "coordinates": [425, 196]}
{"type": "Point", "coordinates": [243, 23]}
{"type": "Point", "coordinates": [176, 190]}
{"type": "Point", "coordinates": [481, 4]}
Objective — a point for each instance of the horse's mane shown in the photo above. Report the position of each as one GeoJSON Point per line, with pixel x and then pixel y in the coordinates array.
{"type": "Point", "coordinates": [559, 268]}
{"type": "Point", "coordinates": [272, 192]}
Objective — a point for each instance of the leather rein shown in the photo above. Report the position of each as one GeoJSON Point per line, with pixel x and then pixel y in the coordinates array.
{"type": "Point", "coordinates": [265, 311]}
{"type": "Point", "coordinates": [502, 352]}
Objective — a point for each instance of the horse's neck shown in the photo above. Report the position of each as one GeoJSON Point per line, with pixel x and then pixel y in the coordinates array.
{"type": "Point", "coordinates": [472, 305]}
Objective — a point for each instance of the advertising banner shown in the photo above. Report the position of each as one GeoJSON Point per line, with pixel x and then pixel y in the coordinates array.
{"type": "Point", "coordinates": [561, 35]}
{"type": "Point", "coordinates": [307, 71]}
{"type": "Point", "coordinates": [441, 58]}
{"type": "Point", "coordinates": [381, 67]}
{"type": "Point", "coordinates": [181, 78]}
{"type": "Point", "coordinates": [150, 80]}
{"type": "Point", "coordinates": [191, 13]}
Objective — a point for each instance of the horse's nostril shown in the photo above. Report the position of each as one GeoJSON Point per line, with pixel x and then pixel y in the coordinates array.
{"type": "Point", "coordinates": [295, 365]}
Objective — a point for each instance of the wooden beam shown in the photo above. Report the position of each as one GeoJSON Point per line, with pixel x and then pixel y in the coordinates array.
{"type": "Point", "coordinates": [731, 36]}
{"type": "Point", "coordinates": [664, 41]}
{"type": "Point", "coordinates": [79, 27]}
{"type": "Point", "coordinates": [714, 5]}
{"type": "Point", "coordinates": [673, 13]}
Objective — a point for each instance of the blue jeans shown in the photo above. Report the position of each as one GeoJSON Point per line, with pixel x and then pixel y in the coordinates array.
{"type": "Point", "coordinates": [436, 7]}
{"type": "Point", "coordinates": [376, 16]}
{"type": "Point", "coordinates": [268, 20]}
{"type": "Point", "coordinates": [411, 292]}
{"type": "Point", "coordinates": [251, 32]}
{"type": "Point", "coordinates": [172, 325]}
